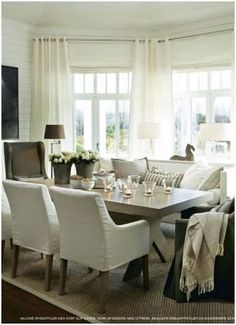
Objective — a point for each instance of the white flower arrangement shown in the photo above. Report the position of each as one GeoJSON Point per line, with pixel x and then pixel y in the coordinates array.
{"type": "Point", "coordinates": [61, 158]}
{"type": "Point", "coordinates": [86, 156]}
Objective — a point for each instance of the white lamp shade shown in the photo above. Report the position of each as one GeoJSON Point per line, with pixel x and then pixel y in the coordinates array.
{"type": "Point", "coordinates": [216, 132]}
{"type": "Point", "coordinates": [149, 131]}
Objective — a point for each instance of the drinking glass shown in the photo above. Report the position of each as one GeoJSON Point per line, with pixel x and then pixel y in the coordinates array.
{"type": "Point", "coordinates": [134, 179]}
{"type": "Point", "coordinates": [121, 182]}
{"type": "Point", "coordinates": [127, 189]}
{"type": "Point", "coordinates": [149, 188]}
{"type": "Point", "coordinates": [168, 184]}
{"type": "Point", "coordinates": [108, 182]}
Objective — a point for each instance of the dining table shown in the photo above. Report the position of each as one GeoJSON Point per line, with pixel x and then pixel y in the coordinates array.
{"type": "Point", "coordinates": [151, 208]}
{"type": "Point", "coordinates": [154, 208]}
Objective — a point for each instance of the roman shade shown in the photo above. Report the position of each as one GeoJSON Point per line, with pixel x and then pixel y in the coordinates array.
{"type": "Point", "coordinates": [204, 51]}
{"type": "Point", "coordinates": [105, 54]}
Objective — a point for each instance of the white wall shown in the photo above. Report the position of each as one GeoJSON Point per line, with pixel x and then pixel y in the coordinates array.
{"type": "Point", "coordinates": [17, 52]}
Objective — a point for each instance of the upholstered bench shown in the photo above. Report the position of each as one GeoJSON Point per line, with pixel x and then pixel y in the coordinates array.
{"type": "Point", "coordinates": [224, 265]}
{"type": "Point", "coordinates": [199, 176]}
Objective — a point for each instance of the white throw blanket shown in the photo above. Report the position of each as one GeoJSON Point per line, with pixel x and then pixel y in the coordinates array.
{"type": "Point", "coordinates": [204, 240]}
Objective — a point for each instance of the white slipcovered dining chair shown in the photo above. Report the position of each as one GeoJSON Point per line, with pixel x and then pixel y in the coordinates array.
{"type": "Point", "coordinates": [34, 222]}
{"type": "Point", "coordinates": [6, 220]}
{"type": "Point", "coordinates": [90, 237]}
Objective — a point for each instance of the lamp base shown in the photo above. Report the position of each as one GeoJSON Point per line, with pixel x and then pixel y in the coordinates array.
{"type": "Point", "coordinates": [52, 144]}
{"type": "Point", "coordinates": [216, 150]}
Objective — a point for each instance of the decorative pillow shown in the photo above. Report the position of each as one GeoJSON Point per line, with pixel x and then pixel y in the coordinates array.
{"type": "Point", "coordinates": [123, 168]}
{"type": "Point", "coordinates": [212, 179]}
{"type": "Point", "coordinates": [106, 164]}
{"type": "Point", "coordinates": [201, 177]}
{"type": "Point", "coordinates": [157, 175]}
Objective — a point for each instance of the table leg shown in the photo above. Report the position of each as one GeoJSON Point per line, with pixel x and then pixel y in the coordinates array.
{"type": "Point", "coordinates": [159, 243]}
{"type": "Point", "coordinates": [158, 240]}
{"type": "Point", "coordinates": [133, 270]}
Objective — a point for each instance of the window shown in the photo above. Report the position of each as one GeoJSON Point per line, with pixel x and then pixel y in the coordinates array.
{"type": "Point", "coordinates": [101, 106]}
{"type": "Point", "coordinates": [199, 97]}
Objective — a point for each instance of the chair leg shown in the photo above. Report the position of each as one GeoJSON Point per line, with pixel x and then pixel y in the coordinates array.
{"type": "Point", "coordinates": [48, 273]}
{"type": "Point", "coordinates": [11, 243]}
{"type": "Point", "coordinates": [90, 270]}
{"type": "Point", "coordinates": [145, 272]}
{"type": "Point", "coordinates": [3, 246]}
{"type": "Point", "coordinates": [15, 257]}
{"type": "Point", "coordinates": [104, 277]}
{"type": "Point", "coordinates": [62, 280]}
{"type": "Point", "coordinates": [41, 256]}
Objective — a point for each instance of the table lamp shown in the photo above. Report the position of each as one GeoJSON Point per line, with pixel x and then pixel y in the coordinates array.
{"type": "Point", "coordinates": [214, 132]}
{"type": "Point", "coordinates": [149, 130]}
{"type": "Point", "coordinates": [54, 132]}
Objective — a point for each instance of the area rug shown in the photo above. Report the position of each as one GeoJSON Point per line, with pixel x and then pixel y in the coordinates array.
{"type": "Point", "coordinates": [127, 302]}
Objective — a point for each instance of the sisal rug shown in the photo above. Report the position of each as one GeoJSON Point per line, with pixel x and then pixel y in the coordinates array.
{"type": "Point", "coordinates": [127, 302]}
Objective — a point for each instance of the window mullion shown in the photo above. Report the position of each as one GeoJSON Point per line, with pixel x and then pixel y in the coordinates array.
{"type": "Point", "coordinates": [117, 129]}
{"type": "Point", "coordinates": [190, 129]}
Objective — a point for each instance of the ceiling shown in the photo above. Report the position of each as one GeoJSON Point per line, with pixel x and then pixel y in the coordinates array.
{"type": "Point", "coordinates": [115, 15]}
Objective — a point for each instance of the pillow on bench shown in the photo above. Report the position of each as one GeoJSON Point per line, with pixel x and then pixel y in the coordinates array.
{"type": "Point", "coordinates": [157, 175]}
{"type": "Point", "coordinates": [123, 168]}
{"type": "Point", "coordinates": [201, 177]}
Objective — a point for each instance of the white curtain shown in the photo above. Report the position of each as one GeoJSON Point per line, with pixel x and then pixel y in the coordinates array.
{"type": "Point", "coordinates": [51, 90]}
{"type": "Point", "coordinates": [163, 93]}
{"type": "Point", "coordinates": [151, 97]}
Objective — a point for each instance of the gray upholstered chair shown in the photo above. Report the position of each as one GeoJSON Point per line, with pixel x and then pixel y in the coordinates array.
{"type": "Point", "coordinates": [24, 160]}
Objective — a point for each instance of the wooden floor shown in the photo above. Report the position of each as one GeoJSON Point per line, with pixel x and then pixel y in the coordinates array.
{"type": "Point", "coordinates": [19, 306]}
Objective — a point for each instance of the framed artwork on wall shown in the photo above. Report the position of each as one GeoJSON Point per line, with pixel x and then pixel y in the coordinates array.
{"type": "Point", "coordinates": [10, 103]}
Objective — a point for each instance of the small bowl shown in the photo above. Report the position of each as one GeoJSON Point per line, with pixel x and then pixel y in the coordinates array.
{"type": "Point", "coordinates": [87, 184]}
{"type": "Point", "coordinates": [75, 181]}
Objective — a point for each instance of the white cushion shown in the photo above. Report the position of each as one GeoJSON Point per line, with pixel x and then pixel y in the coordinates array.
{"type": "Point", "coordinates": [106, 164]}
{"type": "Point", "coordinates": [212, 179]}
{"type": "Point", "coordinates": [201, 177]}
{"type": "Point", "coordinates": [123, 168]}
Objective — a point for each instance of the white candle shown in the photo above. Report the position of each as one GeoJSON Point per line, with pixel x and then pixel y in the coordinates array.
{"type": "Point", "coordinates": [128, 192]}
{"type": "Point", "coordinates": [149, 191]}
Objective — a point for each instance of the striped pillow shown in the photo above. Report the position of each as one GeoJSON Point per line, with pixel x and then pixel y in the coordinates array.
{"type": "Point", "coordinates": [157, 175]}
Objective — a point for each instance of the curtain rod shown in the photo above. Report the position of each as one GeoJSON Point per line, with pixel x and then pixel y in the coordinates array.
{"type": "Point", "coordinates": [201, 34]}
{"type": "Point", "coordinates": [132, 39]}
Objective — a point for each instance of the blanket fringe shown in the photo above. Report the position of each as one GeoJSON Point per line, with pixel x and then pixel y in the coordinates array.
{"type": "Point", "coordinates": [220, 249]}
{"type": "Point", "coordinates": [206, 286]}
{"type": "Point", "coordinates": [187, 281]}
